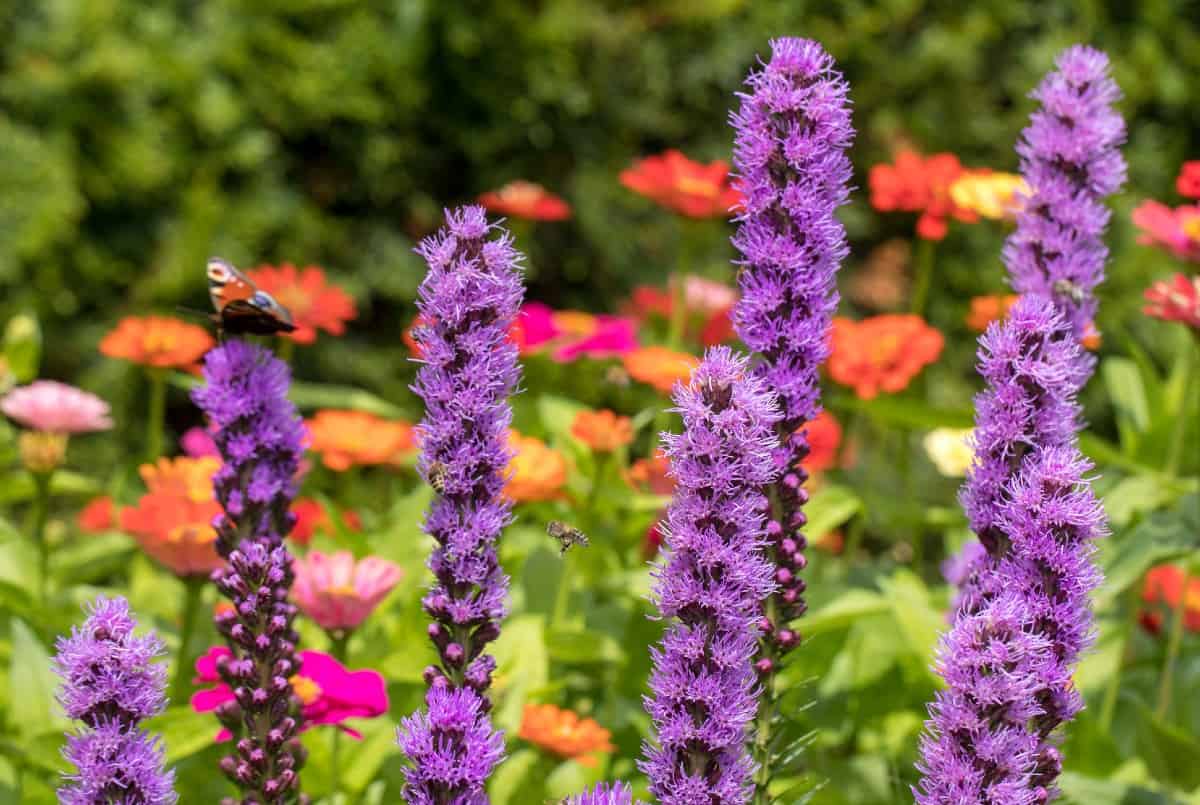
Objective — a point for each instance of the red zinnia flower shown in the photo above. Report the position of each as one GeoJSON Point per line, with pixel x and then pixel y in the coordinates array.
{"type": "Point", "coordinates": [689, 188]}
{"type": "Point", "coordinates": [1164, 585]}
{"type": "Point", "coordinates": [522, 199]}
{"type": "Point", "coordinates": [313, 303]}
{"type": "Point", "coordinates": [97, 516]}
{"type": "Point", "coordinates": [824, 438]}
{"type": "Point", "coordinates": [1188, 183]}
{"type": "Point", "coordinates": [1176, 300]}
{"type": "Point", "coordinates": [921, 184]}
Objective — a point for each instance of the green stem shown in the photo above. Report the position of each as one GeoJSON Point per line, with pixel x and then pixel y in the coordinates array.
{"type": "Point", "coordinates": [287, 349]}
{"type": "Point", "coordinates": [923, 275]}
{"type": "Point", "coordinates": [193, 586]}
{"type": "Point", "coordinates": [340, 640]}
{"type": "Point", "coordinates": [1179, 430]}
{"type": "Point", "coordinates": [37, 529]}
{"type": "Point", "coordinates": [562, 596]}
{"type": "Point", "coordinates": [1108, 707]}
{"type": "Point", "coordinates": [678, 320]}
{"type": "Point", "coordinates": [157, 415]}
{"type": "Point", "coordinates": [1166, 681]}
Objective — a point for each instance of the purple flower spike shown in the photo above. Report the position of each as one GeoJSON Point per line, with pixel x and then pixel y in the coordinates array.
{"type": "Point", "coordinates": [792, 132]}
{"type": "Point", "coordinates": [1071, 159]}
{"type": "Point", "coordinates": [111, 682]}
{"type": "Point", "coordinates": [604, 794]}
{"type": "Point", "coordinates": [260, 438]}
{"type": "Point", "coordinates": [711, 585]}
{"type": "Point", "coordinates": [1024, 616]}
{"type": "Point", "coordinates": [468, 301]}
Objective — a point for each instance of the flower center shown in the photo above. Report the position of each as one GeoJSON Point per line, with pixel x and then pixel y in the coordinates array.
{"type": "Point", "coordinates": [306, 689]}
{"type": "Point", "coordinates": [696, 187]}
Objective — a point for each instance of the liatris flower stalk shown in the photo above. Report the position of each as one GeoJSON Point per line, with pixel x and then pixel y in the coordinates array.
{"type": "Point", "coordinates": [1071, 160]}
{"type": "Point", "coordinates": [111, 682]}
{"type": "Point", "coordinates": [711, 585]}
{"type": "Point", "coordinates": [1025, 617]}
{"type": "Point", "coordinates": [604, 794]}
{"type": "Point", "coordinates": [467, 303]}
{"type": "Point", "coordinates": [792, 132]}
{"type": "Point", "coordinates": [260, 438]}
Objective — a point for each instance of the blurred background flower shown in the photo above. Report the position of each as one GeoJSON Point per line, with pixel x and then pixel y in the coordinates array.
{"type": "Point", "coordinates": [315, 303]}
{"type": "Point", "coordinates": [882, 353]}
{"type": "Point", "coordinates": [339, 592]}
{"type": "Point", "coordinates": [521, 199]}
{"type": "Point", "coordinates": [563, 733]}
{"type": "Point", "coordinates": [157, 341]}
{"type": "Point", "coordinates": [173, 520]}
{"type": "Point", "coordinates": [689, 188]}
{"type": "Point", "coordinates": [535, 471]}
{"type": "Point", "coordinates": [347, 439]}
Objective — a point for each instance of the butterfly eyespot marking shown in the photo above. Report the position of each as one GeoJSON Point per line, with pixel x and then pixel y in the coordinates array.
{"type": "Point", "coordinates": [218, 270]}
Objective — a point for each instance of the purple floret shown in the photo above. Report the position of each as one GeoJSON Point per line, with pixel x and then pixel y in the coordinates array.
{"type": "Point", "coordinates": [710, 586]}
{"type": "Point", "coordinates": [110, 683]}
{"type": "Point", "coordinates": [468, 301]}
{"type": "Point", "coordinates": [260, 437]}
{"type": "Point", "coordinates": [792, 133]}
{"type": "Point", "coordinates": [604, 794]}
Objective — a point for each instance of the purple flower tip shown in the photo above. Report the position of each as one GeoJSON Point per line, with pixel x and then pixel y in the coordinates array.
{"type": "Point", "coordinates": [604, 794]}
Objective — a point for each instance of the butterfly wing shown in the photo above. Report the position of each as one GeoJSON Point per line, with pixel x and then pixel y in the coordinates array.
{"type": "Point", "coordinates": [226, 284]}
{"type": "Point", "coordinates": [241, 307]}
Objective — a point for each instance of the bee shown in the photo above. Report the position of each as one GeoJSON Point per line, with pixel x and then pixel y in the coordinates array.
{"type": "Point", "coordinates": [437, 477]}
{"type": "Point", "coordinates": [567, 535]}
{"type": "Point", "coordinates": [1070, 289]}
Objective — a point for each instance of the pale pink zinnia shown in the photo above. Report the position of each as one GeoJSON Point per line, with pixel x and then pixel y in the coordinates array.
{"type": "Point", "coordinates": [1176, 230]}
{"type": "Point", "coordinates": [338, 592]}
{"type": "Point", "coordinates": [48, 405]}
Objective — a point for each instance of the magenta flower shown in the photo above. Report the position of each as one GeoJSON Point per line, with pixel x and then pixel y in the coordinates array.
{"type": "Point", "coordinates": [569, 335]}
{"type": "Point", "coordinates": [198, 442]}
{"type": "Point", "coordinates": [328, 692]}
{"type": "Point", "coordinates": [1177, 230]}
{"type": "Point", "coordinates": [338, 592]}
{"type": "Point", "coordinates": [48, 405]}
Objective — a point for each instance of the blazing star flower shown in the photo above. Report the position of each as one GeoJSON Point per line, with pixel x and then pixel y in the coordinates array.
{"type": "Point", "coordinates": [921, 184]}
{"type": "Point", "coordinates": [522, 199]}
{"type": "Point", "coordinates": [689, 188]}
{"type": "Point", "coordinates": [328, 693]}
{"type": "Point", "coordinates": [469, 300]}
{"type": "Point", "coordinates": [603, 794]}
{"type": "Point", "coordinates": [882, 353]}
{"type": "Point", "coordinates": [53, 407]}
{"type": "Point", "coordinates": [563, 733]}
{"type": "Point", "coordinates": [603, 431]}
{"type": "Point", "coordinates": [347, 439]}
{"type": "Point", "coordinates": [993, 195]}
{"type": "Point", "coordinates": [1070, 157]}
{"type": "Point", "coordinates": [157, 341]}
{"type": "Point", "coordinates": [711, 585]}
{"type": "Point", "coordinates": [260, 437]}
{"type": "Point", "coordinates": [1188, 181]}
{"type": "Point", "coordinates": [659, 367]}
{"type": "Point", "coordinates": [172, 522]}
{"type": "Point", "coordinates": [314, 303]}
{"type": "Point", "coordinates": [111, 683]}
{"type": "Point", "coordinates": [338, 592]}
{"type": "Point", "coordinates": [534, 471]}
{"type": "Point", "coordinates": [792, 131]}
{"type": "Point", "coordinates": [1176, 230]}
{"type": "Point", "coordinates": [1177, 300]}
{"type": "Point", "coordinates": [97, 516]}
{"type": "Point", "coordinates": [1023, 616]}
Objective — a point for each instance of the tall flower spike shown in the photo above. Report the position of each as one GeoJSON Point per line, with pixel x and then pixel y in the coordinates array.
{"type": "Point", "coordinates": [711, 585]}
{"type": "Point", "coordinates": [792, 133]}
{"type": "Point", "coordinates": [1024, 618]}
{"type": "Point", "coordinates": [604, 794]}
{"type": "Point", "coordinates": [1071, 160]}
{"type": "Point", "coordinates": [111, 682]}
{"type": "Point", "coordinates": [467, 303]}
{"type": "Point", "coordinates": [260, 438]}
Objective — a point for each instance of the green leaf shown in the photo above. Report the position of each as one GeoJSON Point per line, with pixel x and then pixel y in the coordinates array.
{"type": "Point", "coordinates": [557, 413]}
{"type": "Point", "coordinates": [909, 413]}
{"type": "Point", "coordinates": [831, 505]}
{"type": "Point", "coordinates": [23, 347]}
{"type": "Point", "coordinates": [1162, 537]}
{"type": "Point", "coordinates": [583, 646]}
{"type": "Point", "coordinates": [919, 619]}
{"type": "Point", "coordinates": [1134, 495]}
{"type": "Point", "coordinates": [844, 610]}
{"type": "Point", "coordinates": [522, 666]}
{"type": "Point", "coordinates": [1080, 790]}
{"type": "Point", "coordinates": [1128, 394]}
{"type": "Point", "coordinates": [376, 747]}
{"type": "Point", "coordinates": [31, 685]}
{"type": "Point", "coordinates": [871, 650]}
{"type": "Point", "coordinates": [1169, 752]}
{"type": "Point", "coordinates": [511, 778]}
{"type": "Point", "coordinates": [184, 731]}
{"type": "Point", "coordinates": [17, 486]}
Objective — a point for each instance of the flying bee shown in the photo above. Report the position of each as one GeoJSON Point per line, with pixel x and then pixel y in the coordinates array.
{"type": "Point", "coordinates": [1070, 289]}
{"type": "Point", "coordinates": [437, 477]}
{"type": "Point", "coordinates": [567, 535]}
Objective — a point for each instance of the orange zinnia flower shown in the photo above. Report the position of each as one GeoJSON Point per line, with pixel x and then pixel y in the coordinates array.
{"type": "Point", "coordinates": [522, 199]}
{"type": "Point", "coordinates": [97, 516]}
{"type": "Point", "coordinates": [651, 475]}
{"type": "Point", "coordinates": [824, 438]}
{"type": "Point", "coordinates": [659, 367]}
{"type": "Point", "coordinates": [173, 520]}
{"type": "Point", "coordinates": [987, 309]}
{"type": "Point", "coordinates": [603, 431]}
{"type": "Point", "coordinates": [564, 733]}
{"type": "Point", "coordinates": [882, 353]}
{"type": "Point", "coordinates": [921, 184]}
{"type": "Point", "coordinates": [157, 341]}
{"type": "Point", "coordinates": [535, 471]}
{"type": "Point", "coordinates": [347, 439]}
{"type": "Point", "coordinates": [314, 304]}
{"type": "Point", "coordinates": [689, 188]}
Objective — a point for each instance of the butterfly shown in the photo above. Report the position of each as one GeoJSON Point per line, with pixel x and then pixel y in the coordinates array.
{"type": "Point", "coordinates": [241, 307]}
{"type": "Point", "coordinates": [567, 535]}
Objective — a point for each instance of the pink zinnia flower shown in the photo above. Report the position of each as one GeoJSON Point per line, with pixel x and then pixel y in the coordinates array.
{"type": "Point", "coordinates": [572, 334]}
{"type": "Point", "coordinates": [48, 405]}
{"type": "Point", "coordinates": [339, 593]}
{"type": "Point", "coordinates": [198, 442]}
{"type": "Point", "coordinates": [1176, 300]}
{"type": "Point", "coordinates": [329, 693]}
{"type": "Point", "coordinates": [1176, 230]}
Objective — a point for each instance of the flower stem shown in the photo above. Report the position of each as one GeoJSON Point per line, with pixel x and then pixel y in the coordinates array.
{"type": "Point", "coordinates": [1108, 707]}
{"type": "Point", "coordinates": [37, 529]}
{"type": "Point", "coordinates": [923, 275]}
{"type": "Point", "coordinates": [1179, 430]}
{"type": "Point", "coordinates": [287, 349]}
{"type": "Point", "coordinates": [339, 649]}
{"type": "Point", "coordinates": [1166, 680]}
{"type": "Point", "coordinates": [192, 587]}
{"type": "Point", "coordinates": [156, 417]}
